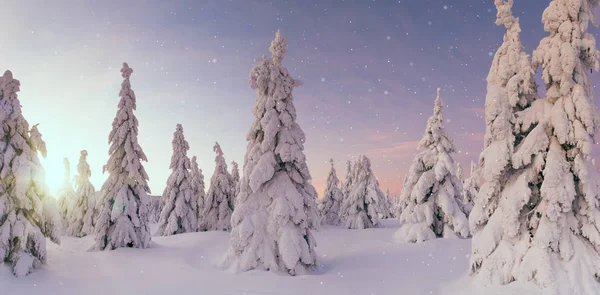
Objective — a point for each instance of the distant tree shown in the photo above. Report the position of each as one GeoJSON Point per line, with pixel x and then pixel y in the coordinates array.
{"type": "Point", "coordinates": [362, 207]}
{"type": "Point", "coordinates": [180, 213]}
{"type": "Point", "coordinates": [235, 176]}
{"type": "Point", "coordinates": [276, 210]}
{"type": "Point", "coordinates": [218, 204]}
{"type": "Point", "coordinates": [331, 203]}
{"type": "Point", "coordinates": [123, 219]}
{"type": "Point", "coordinates": [198, 188]}
{"type": "Point", "coordinates": [80, 216]}
{"type": "Point", "coordinates": [432, 194]}
{"type": "Point", "coordinates": [470, 189]}
{"type": "Point", "coordinates": [28, 214]}
{"type": "Point", "coordinates": [66, 193]}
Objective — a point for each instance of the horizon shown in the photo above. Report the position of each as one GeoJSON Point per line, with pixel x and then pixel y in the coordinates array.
{"type": "Point", "coordinates": [191, 67]}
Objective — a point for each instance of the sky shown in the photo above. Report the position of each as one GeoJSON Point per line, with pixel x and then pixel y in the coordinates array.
{"type": "Point", "coordinates": [370, 70]}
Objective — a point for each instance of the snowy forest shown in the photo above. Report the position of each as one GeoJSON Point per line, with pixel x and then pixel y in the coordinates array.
{"type": "Point", "coordinates": [522, 219]}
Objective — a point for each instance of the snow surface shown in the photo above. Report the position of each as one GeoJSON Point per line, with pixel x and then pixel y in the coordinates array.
{"type": "Point", "coordinates": [350, 262]}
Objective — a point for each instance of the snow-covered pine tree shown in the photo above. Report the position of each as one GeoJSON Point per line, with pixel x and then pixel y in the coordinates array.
{"type": "Point", "coordinates": [28, 215]}
{"type": "Point", "coordinates": [235, 176]}
{"type": "Point", "coordinates": [331, 203]}
{"type": "Point", "coordinates": [154, 208]}
{"type": "Point", "coordinates": [80, 214]}
{"type": "Point", "coordinates": [362, 207]}
{"type": "Point", "coordinates": [389, 204]}
{"type": "Point", "coordinates": [545, 224]}
{"type": "Point", "coordinates": [180, 212]}
{"type": "Point", "coordinates": [470, 189]}
{"type": "Point", "coordinates": [218, 204]}
{"type": "Point", "coordinates": [459, 171]}
{"type": "Point", "coordinates": [432, 193]}
{"type": "Point", "coordinates": [276, 210]}
{"type": "Point", "coordinates": [345, 187]}
{"type": "Point", "coordinates": [65, 193]}
{"type": "Point", "coordinates": [123, 219]}
{"type": "Point", "coordinates": [198, 188]}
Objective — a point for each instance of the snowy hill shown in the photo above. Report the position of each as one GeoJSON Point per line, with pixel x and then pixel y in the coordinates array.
{"type": "Point", "coordinates": [351, 262]}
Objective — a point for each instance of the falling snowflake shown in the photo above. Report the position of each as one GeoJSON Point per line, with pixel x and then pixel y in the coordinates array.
{"type": "Point", "coordinates": [386, 92]}
{"type": "Point", "coordinates": [322, 79]}
{"type": "Point", "coordinates": [389, 37]}
{"type": "Point", "coordinates": [490, 53]}
{"type": "Point", "coordinates": [214, 60]}
{"type": "Point", "coordinates": [445, 7]}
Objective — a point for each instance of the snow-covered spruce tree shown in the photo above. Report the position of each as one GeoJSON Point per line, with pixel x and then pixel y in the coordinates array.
{"type": "Point", "coordinates": [180, 212]}
{"type": "Point", "coordinates": [432, 193]}
{"type": "Point", "coordinates": [123, 219]}
{"type": "Point", "coordinates": [28, 214]}
{"type": "Point", "coordinates": [363, 205]}
{"type": "Point", "coordinates": [345, 187]}
{"type": "Point", "coordinates": [331, 203]}
{"type": "Point", "coordinates": [218, 204]}
{"type": "Point", "coordinates": [389, 204]}
{"type": "Point", "coordinates": [154, 208]}
{"type": "Point", "coordinates": [459, 171]}
{"type": "Point", "coordinates": [470, 189]}
{"type": "Point", "coordinates": [65, 193]}
{"type": "Point", "coordinates": [80, 214]}
{"type": "Point", "coordinates": [545, 227]}
{"type": "Point", "coordinates": [276, 211]}
{"type": "Point", "coordinates": [235, 176]}
{"type": "Point", "coordinates": [198, 188]}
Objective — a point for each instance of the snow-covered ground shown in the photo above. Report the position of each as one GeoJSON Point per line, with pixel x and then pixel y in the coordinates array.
{"type": "Point", "coordinates": [351, 262]}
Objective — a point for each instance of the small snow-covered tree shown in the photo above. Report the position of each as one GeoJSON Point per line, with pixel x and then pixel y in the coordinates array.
{"type": "Point", "coordinates": [80, 216]}
{"type": "Point", "coordinates": [27, 214]}
{"type": "Point", "coordinates": [65, 193]}
{"type": "Point", "coordinates": [345, 187]}
{"type": "Point", "coordinates": [459, 171]}
{"type": "Point", "coordinates": [235, 177]}
{"type": "Point", "coordinates": [276, 210]}
{"type": "Point", "coordinates": [470, 189]}
{"type": "Point", "coordinates": [432, 193]}
{"type": "Point", "coordinates": [218, 204]}
{"type": "Point", "coordinates": [154, 208]}
{"type": "Point", "coordinates": [198, 188]}
{"type": "Point", "coordinates": [331, 203]}
{"type": "Point", "coordinates": [123, 219]}
{"type": "Point", "coordinates": [180, 212]}
{"type": "Point", "coordinates": [389, 204]}
{"type": "Point", "coordinates": [362, 207]}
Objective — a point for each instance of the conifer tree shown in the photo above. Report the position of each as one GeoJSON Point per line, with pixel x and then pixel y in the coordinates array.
{"type": "Point", "coordinates": [235, 176]}
{"type": "Point", "coordinates": [123, 219]}
{"type": "Point", "coordinates": [218, 204]}
{"type": "Point", "coordinates": [362, 207]}
{"type": "Point", "coordinates": [331, 203]}
{"type": "Point", "coordinates": [28, 214]}
{"type": "Point", "coordinates": [65, 193]}
{"type": "Point", "coordinates": [80, 216]}
{"type": "Point", "coordinates": [198, 188]}
{"type": "Point", "coordinates": [180, 212]}
{"type": "Point", "coordinates": [432, 193]}
{"type": "Point", "coordinates": [276, 210]}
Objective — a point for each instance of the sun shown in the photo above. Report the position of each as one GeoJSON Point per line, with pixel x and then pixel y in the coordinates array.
{"type": "Point", "coordinates": [55, 173]}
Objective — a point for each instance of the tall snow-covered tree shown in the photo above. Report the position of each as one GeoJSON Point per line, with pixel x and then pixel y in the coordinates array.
{"type": "Point", "coordinates": [80, 216]}
{"type": "Point", "coordinates": [432, 193]}
{"type": "Point", "coordinates": [154, 208]}
{"type": "Point", "coordinates": [470, 189]}
{"type": "Point", "coordinates": [331, 203]}
{"type": "Point", "coordinates": [65, 192]}
{"type": "Point", "coordinates": [235, 176]}
{"type": "Point", "coordinates": [123, 219]}
{"type": "Point", "coordinates": [389, 204]}
{"type": "Point", "coordinates": [544, 226]}
{"type": "Point", "coordinates": [345, 187]}
{"type": "Point", "coordinates": [198, 188]}
{"type": "Point", "coordinates": [180, 212]}
{"type": "Point", "coordinates": [28, 214]}
{"type": "Point", "coordinates": [362, 207]}
{"type": "Point", "coordinates": [527, 229]}
{"type": "Point", "coordinates": [276, 210]}
{"type": "Point", "coordinates": [218, 204]}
